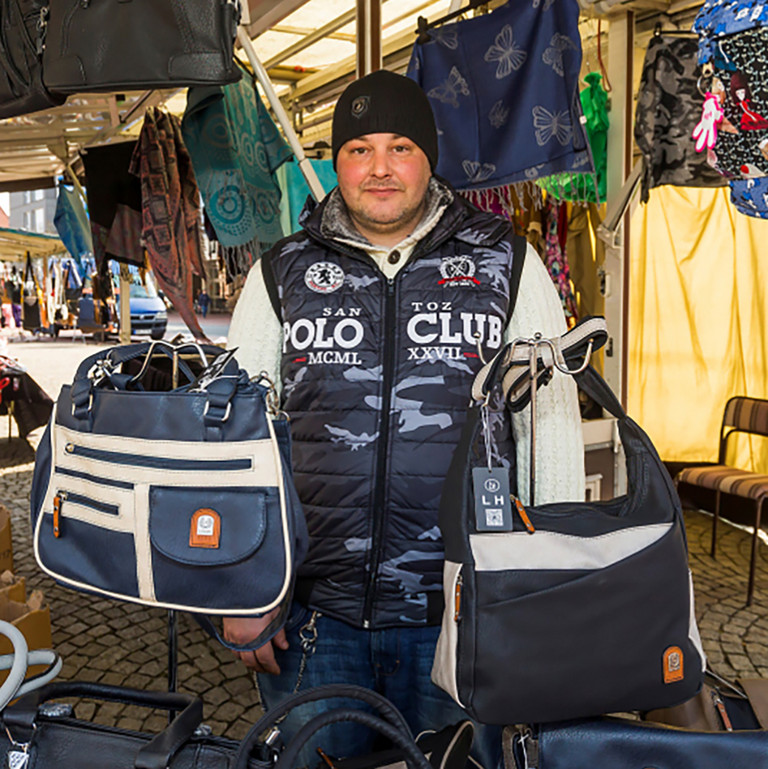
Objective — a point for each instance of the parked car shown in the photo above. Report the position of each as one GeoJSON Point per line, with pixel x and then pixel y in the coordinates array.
{"type": "Point", "coordinates": [148, 312]}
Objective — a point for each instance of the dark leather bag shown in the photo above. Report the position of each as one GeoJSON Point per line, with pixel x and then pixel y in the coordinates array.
{"type": "Point", "coordinates": [105, 45]}
{"type": "Point", "coordinates": [22, 37]}
{"type": "Point", "coordinates": [615, 743]}
{"type": "Point", "coordinates": [50, 736]}
{"type": "Point", "coordinates": [719, 706]}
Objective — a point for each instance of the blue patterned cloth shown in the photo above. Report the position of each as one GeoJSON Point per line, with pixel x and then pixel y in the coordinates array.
{"type": "Point", "coordinates": [295, 189]}
{"type": "Point", "coordinates": [71, 222]}
{"type": "Point", "coordinates": [726, 17]}
{"type": "Point", "coordinates": [504, 90]}
{"type": "Point", "coordinates": [235, 149]}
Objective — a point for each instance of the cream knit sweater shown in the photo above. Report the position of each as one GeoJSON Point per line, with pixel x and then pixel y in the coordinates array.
{"type": "Point", "coordinates": [257, 333]}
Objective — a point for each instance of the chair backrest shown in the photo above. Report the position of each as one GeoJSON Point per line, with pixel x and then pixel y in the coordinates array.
{"type": "Point", "coordinates": [745, 415]}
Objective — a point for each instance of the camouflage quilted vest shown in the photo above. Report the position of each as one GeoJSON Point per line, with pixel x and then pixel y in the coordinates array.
{"type": "Point", "coordinates": [376, 378]}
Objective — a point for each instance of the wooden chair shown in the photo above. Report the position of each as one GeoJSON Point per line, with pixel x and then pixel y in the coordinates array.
{"type": "Point", "coordinates": [742, 415]}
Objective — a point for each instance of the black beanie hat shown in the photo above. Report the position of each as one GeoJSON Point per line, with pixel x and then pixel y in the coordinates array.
{"type": "Point", "coordinates": [384, 102]}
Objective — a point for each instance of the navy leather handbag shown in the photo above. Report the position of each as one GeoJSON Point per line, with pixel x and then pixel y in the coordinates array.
{"type": "Point", "coordinates": [623, 744]}
{"type": "Point", "coordinates": [164, 479]}
{"type": "Point", "coordinates": [574, 609]}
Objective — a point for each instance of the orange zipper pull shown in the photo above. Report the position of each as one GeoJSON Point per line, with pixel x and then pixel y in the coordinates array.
{"type": "Point", "coordinates": [523, 515]}
{"type": "Point", "coordinates": [457, 599]}
{"type": "Point", "coordinates": [720, 705]}
{"type": "Point", "coordinates": [57, 515]}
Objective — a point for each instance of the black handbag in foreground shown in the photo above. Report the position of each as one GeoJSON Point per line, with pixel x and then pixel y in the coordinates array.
{"type": "Point", "coordinates": [41, 734]}
{"type": "Point", "coordinates": [586, 610]}
{"type": "Point", "coordinates": [616, 743]}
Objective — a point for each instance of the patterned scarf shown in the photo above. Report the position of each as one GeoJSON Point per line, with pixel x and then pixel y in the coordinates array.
{"type": "Point", "coordinates": [236, 148]}
{"type": "Point", "coordinates": [171, 229]}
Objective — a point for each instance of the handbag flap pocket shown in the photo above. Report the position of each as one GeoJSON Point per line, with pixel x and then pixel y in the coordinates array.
{"type": "Point", "coordinates": [209, 526]}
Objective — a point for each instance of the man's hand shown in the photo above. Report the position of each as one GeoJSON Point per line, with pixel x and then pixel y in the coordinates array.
{"type": "Point", "coordinates": [240, 630]}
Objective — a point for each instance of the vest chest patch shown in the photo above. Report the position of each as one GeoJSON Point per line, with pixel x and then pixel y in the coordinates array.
{"type": "Point", "coordinates": [457, 271]}
{"type": "Point", "coordinates": [324, 277]}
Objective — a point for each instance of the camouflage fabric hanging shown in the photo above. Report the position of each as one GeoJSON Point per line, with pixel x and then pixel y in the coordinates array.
{"type": "Point", "coordinates": [668, 108]}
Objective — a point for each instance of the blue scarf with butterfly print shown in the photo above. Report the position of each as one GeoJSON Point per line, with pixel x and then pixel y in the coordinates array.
{"type": "Point", "coordinates": [504, 90]}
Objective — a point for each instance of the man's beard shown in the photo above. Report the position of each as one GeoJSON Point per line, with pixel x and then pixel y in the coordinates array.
{"type": "Point", "coordinates": [394, 221]}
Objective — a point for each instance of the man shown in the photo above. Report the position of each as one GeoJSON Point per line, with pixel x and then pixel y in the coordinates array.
{"type": "Point", "coordinates": [367, 321]}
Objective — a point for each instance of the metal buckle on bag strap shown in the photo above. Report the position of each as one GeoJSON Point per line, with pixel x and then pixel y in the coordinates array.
{"type": "Point", "coordinates": [227, 411]}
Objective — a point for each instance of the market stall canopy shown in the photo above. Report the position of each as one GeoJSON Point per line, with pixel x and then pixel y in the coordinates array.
{"type": "Point", "coordinates": [15, 244]}
{"type": "Point", "coordinates": [308, 48]}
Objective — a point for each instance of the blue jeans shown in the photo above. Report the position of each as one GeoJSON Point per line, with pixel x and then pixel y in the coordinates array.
{"type": "Point", "coordinates": [395, 662]}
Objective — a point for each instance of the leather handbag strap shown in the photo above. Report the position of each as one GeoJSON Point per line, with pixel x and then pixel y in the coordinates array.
{"type": "Point", "coordinates": [512, 364]}
{"type": "Point", "coordinates": [413, 756]}
{"type": "Point", "coordinates": [382, 705]}
{"type": "Point", "coordinates": [20, 717]}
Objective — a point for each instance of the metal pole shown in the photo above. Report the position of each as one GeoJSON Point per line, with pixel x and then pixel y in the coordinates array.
{"type": "Point", "coordinates": [282, 116]}
{"type": "Point", "coordinates": [125, 305]}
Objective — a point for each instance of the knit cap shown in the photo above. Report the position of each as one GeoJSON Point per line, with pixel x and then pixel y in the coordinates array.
{"type": "Point", "coordinates": [384, 102]}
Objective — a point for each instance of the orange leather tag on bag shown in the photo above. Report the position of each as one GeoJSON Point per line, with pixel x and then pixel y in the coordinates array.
{"type": "Point", "coordinates": [673, 664]}
{"type": "Point", "coordinates": [205, 528]}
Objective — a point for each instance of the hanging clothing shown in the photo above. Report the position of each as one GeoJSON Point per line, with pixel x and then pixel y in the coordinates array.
{"type": "Point", "coordinates": [503, 88]}
{"type": "Point", "coordinates": [587, 187]}
{"type": "Point", "coordinates": [733, 39]}
{"type": "Point", "coordinates": [71, 222]}
{"type": "Point", "coordinates": [556, 262]}
{"type": "Point", "coordinates": [235, 149]}
{"type": "Point", "coordinates": [668, 109]}
{"type": "Point", "coordinates": [114, 204]}
{"type": "Point", "coordinates": [171, 229]}
{"type": "Point", "coordinates": [294, 190]}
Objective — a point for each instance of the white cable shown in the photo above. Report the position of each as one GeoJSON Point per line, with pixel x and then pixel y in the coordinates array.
{"type": "Point", "coordinates": [18, 665]}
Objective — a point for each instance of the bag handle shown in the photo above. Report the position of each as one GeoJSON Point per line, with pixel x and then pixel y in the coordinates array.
{"type": "Point", "coordinates": [17, 663]}
{"type": "Point", "coordinates": [266, 635]}
{"type": "Point", "coordinates": [511, 366]}
{"type": "Point", "coordinates": [20, 717]}
{"type": "Point", "coordinates": [388, 712]}
{"type": "Point", "coordinates": [413, 756]}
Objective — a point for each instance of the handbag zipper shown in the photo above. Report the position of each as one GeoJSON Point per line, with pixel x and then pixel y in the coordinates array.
{"type": "Point", "coordinates": [457, 598]}
{"type": "Point", "coordinates": [162, 463]}
{"type": "Point", "coordinates": [720, 705]}
{"type": "Point", "coordinates": [77, 499]}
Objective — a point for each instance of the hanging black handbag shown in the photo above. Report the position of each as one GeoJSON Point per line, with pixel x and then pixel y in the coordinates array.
{"type": "Point", "coordinates": [41, 734]}
{"type": "Point", "coordinates": [31, 316]}
{"type": "Point", "coordinates": [106, 45]}
{"type": "Point", "coordinates": [22, 38]}
{"type": "Point", "coordinates": [574, 609]}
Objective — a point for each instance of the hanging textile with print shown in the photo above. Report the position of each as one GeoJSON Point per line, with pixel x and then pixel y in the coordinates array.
{"type": "Point", "coordinates": [555, 218]}
{"type": "Point", "coordinates": [733, 49]}
{"type": "Point", "coordinates": [504, 90]}
{"type": "Point", "coordinates": [71, 222]}
{"type": "Point", "coordinates": [668, 108]}
{"type": "Point", "coordinates": [171, 229]}
{"type": "Point", "coordinates": [236, 148]}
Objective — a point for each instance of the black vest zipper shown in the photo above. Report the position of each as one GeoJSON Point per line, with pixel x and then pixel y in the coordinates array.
{"type": "Point", "coordinates": [380, 484]}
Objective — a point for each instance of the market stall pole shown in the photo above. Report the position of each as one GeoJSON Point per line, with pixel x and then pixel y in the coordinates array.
{"type": "Point", "coordinates": [282, 116]}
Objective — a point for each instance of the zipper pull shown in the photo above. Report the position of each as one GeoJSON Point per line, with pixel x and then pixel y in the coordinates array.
{"type": "Point", "coordinates": [57, 500]}
{"type": "Point", "coordinates": [457, 598]}
{"type": "Point", "coordinates": [523, 515]}
{"type": "Point", "coordinates": [720, 705]}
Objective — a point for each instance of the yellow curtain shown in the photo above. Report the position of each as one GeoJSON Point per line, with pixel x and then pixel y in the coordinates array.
{"type": "Point", "coordinates": [698, 314]}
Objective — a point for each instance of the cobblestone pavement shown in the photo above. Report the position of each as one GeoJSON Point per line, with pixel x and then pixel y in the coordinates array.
{"type": "Point", "coordinates": [116, 643]}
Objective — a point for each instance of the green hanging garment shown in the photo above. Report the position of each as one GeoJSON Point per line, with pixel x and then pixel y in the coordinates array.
{"type": "Point", "coordinates": [586, 187]}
